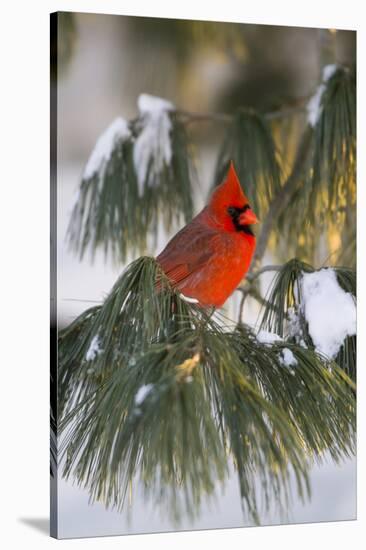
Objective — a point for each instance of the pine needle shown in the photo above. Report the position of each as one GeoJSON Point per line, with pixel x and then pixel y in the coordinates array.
{"type": "Point", "coordinates": [134, 405]}
{"type": "Point", "coordinates": [113, 216]}
{"type": "Point", "coordinates": [249, 144]}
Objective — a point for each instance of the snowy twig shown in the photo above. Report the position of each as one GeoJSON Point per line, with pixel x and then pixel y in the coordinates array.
{"type": "Point", "coordinates": [250, 290]}
{"type": "Point", "coordinates": [264, 269]}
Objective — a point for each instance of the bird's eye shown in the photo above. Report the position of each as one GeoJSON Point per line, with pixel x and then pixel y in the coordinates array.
{"type": "Point", "coordinates": [231, 210]}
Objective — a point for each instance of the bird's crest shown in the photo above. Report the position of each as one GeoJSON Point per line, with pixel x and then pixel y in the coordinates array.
{"type": "Point", "coordinates": [228, 193]}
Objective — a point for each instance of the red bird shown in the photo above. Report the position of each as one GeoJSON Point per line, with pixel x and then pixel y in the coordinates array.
{"type": "Point", "coordinates": [207, 259]}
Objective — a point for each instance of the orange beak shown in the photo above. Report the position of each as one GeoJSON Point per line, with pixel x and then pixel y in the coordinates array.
{"type": "Point", "coordinates": [248, 217]}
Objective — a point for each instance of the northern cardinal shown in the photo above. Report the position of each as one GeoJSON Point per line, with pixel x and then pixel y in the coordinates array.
{"type": "Point", "coordinates": [207, 259]}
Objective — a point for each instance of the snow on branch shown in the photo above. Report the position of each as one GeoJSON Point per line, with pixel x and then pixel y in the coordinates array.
{"type": "Point", "coordinates": [138, 172]}
{"type": "Point", "coordinates": [143, 392]}
{"type": "Point", "coordinates": [94, 349]}
{"type": "Point", "coordinates": [153, 144]}
{"type": "Point", "coordinates": [117, 130]}
{"type": "Point", "coordinates": [329, 311]}
{"type": "Point", "coordinates": [313, 309]}
{"type": "Point", "coordinates": [314, 107]}
{"type": "Point", "coordinates": [268, 338]}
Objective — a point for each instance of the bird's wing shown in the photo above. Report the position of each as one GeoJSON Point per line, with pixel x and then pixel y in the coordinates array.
{"type": "Point", "coordinates": [187, 252]}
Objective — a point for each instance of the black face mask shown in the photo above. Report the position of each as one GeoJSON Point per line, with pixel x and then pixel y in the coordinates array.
{"type": "Point", "coordinates": [235, 213]}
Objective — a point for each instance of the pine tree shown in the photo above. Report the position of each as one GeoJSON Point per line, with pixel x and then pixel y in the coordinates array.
{"type": "Point", "coordinates": [155, 389]}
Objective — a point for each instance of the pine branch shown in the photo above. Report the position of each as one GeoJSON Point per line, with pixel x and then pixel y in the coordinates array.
{"type": "Point", "coordinates": [152, 388]}
{"type": "Point", "coordinates": [191, 117]}
{"type": "Point", "coordinates": [282, 199]}
{"type": "Point", "coordinates": [324, 200]}
{"type": "Point", "coordinates": [334, 155]}
{"type": "Point", "coordinates": [249, 144]}
{"type": "Point", "coordinates": [321, 183]}
{"type": "Point", "coordinates": [249, 289]}
{"type": "Point", "coordinates": [285, 313]}
{"type": "Point", "coordinates": [254, 275]}
{"type": "Point", "coordinates": [122, 196]}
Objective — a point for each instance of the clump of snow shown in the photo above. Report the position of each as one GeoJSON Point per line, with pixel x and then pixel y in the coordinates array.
{"type": "Point", "coordinates": [293, 323]}
{"type": "Point", "coordinates": [328, 71]}
{"type": "Point", "coordinates": [103, 149]}
{"type": "Point", "coordinates": [142, 392]}
{"type": "Point", "coordinates": [329, 311]}
{"type": "Point", "coordinates": [150, 104]}
{"type": "Point", "coordinates": [94, 349]}
{"type": "Point", "coordinates": [153, 144]}
{"type": "Point", "coordinates": [314, 106]}
{"type": "Point", "coordinates": [287, 358]}
{"type": "Point", "coordinates": [293, 327]}
{"type": "Point", "coordinates": [188, 299]}
{"type": "Point", "coordinates": [268, 338]}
